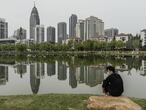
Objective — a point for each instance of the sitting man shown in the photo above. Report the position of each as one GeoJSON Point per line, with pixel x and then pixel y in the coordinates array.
{"type": "Point", "coordinates": [113, 84]}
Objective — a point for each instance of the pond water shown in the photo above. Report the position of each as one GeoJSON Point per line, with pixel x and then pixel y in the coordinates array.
{"type": "Point", "coordinates": [69, 74]}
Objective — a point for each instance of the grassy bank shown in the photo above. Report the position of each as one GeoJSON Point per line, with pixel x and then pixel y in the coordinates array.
{"type": "Point", "coordinates": [49, 102]}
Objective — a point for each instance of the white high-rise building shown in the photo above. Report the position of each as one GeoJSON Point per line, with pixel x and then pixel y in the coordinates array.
{"type": "Point", "coordinates": [94, 27]}
{"type": "Point", "coordinates": [80, 32]}
{"type": "Point", "coordinates": [143, 37]}
{"type": "Point", "coordinates": [39, 34]}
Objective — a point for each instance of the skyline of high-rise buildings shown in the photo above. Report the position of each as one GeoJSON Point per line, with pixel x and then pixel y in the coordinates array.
{"type": "Point", "coordinates": [38, 35]}
{"type": "Point", "coordinates": [84, 30]}
{"type": "Point", "coordinates": [91, 28]}
{"type": "Point", "coordinates": [17, 20]}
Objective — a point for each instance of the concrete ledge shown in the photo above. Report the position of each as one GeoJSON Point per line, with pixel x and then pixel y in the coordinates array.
{"type": "Point", "coordinates": [111, 103]}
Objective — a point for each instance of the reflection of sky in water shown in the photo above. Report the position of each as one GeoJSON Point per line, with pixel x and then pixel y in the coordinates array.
{"type": "Point", "coordinates": [134, 84]}
{"type": "Point", "coordinates": [58, 77]}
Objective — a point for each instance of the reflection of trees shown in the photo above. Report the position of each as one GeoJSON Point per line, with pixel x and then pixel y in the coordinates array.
{"type": "Point", "coordinates": [133, 62]}
{"type": "Point", "coordinates": [79, 59]}
{"type": "Point", "coordinates": [7, 60]}
{"type": "Point", "coordinates": [34, 81]}
{"type": "Point", "coordinates": [73, 60]}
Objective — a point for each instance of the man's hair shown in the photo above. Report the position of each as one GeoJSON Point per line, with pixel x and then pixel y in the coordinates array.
{"type": "Point", "coordinates": [111, 68]}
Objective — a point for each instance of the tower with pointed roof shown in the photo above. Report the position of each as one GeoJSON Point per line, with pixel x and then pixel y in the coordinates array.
{"type": "Point", "coordinates": [34, 20]}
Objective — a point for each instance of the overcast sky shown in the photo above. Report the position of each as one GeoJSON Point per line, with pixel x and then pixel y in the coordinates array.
{"type": "Point", "coordinates": [129, 16]}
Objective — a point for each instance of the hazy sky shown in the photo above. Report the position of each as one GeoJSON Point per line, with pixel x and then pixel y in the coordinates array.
{"type": "Point", "coordinates": [128, 16]}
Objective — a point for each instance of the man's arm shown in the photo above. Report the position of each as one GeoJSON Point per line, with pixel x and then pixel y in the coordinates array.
{"type": "Point", "coordinates": [105, 85]}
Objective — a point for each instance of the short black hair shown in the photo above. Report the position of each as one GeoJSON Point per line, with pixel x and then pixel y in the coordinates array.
{"type": "Point", "coordinates": [111, 68]}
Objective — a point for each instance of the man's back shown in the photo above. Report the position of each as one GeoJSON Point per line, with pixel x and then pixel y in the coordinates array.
{"type": "Point", "coordinates": [114, 84]}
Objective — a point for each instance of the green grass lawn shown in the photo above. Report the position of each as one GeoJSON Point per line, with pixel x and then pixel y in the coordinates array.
{"type": "Point", "coordinates": [49, 102]}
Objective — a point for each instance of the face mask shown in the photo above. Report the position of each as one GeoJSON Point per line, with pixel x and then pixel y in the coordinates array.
{"type": "Point", "coordinates": [107, 72]}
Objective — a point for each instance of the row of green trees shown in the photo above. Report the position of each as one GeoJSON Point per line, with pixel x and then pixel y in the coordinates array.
{"type": "Point", "coordinates": [75, 61]}
{"type": "Point", "coordinates": [134, 43]}
{"type": "Point", "coordinates": [89, 45]}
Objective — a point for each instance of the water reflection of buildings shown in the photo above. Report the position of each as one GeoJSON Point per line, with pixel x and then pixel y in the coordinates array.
{"type": "Point", "coordinates": [51, 69]}
{"type": "Point", "coordinates": [90, 75]}
{"type": "Point", "coordinates": [35, 73]}
{"type": "Point", "coordinates": [94, 76]}
{"type": "Point", "coordinates": [20, 69]}
{"type": "Point", "coordinates": [72, 77]}
{"type": "Point", "coordinates": [40, 70]}
{"type": "Point", "coordinates": [76, 71]}
{"type": "Point", "coordinates": [62, 70]}
{"type": "Point", "coordinates": [143, 68]}
{"type": "Point", "coordinates": [3, 75]}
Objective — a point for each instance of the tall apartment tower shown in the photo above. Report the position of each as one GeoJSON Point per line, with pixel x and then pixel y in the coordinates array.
{"type": "Point", "coordinates": [34, 20]}
{"type": "Point", "coordinates": [94, 27]}
{"type": "Point", "coordinates": [51, 34]}
{"type": "Point", "coordinates": [72, 25]}
{"type": "Point", "coordinates": [3, 29]}
{"type": "Point", "coordinates": [39, 34]}
{"type": "Point", "coordinates": [80, 29]}
{"type": "Point", "coordinates": [62, 32]}
{"type": "Point", "coordinates": [143, 37]}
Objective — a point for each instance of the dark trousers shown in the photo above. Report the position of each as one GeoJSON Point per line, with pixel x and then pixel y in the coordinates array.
{"type": "Point", "coordinates": [110, 92]}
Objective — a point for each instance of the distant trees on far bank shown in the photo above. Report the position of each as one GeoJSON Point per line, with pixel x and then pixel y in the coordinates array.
{"type": "Point", "coordinates": [89, 45]}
